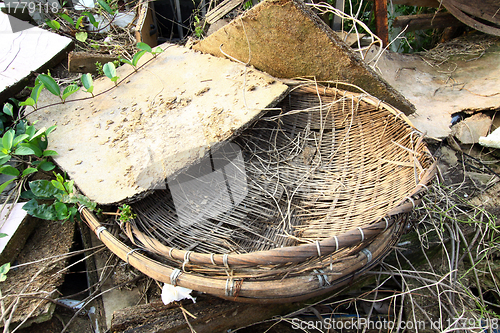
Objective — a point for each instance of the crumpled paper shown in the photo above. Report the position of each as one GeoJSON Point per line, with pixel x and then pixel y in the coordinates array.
{"type": "Point", "coordinates": [170, 293]}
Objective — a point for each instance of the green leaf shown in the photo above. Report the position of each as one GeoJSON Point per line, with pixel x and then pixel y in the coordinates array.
{"type": "Point", "coordinates": [59, 178]}
{"type": "Point", "coordinates": [8, 139]}
{"type": "Point", "coordinates": [29, 171]}
{"type": "Point", "coordinates": [157, 50]}
{"type": "Point", "coordinates": [53, 24]}
{"type": "Point", "coordinates": [28, 102]}
{"type": "Point", "coordinates": [35, 93]}
{"type": "Point", "coordinates": [4, 269]}
{"type": "Point", "coordinates": [50, 153]}
{"type": "Point", "coordinates": [71, 89]}
{"type": "Point", "coordinates": [24, 149]}
{"type": "Point", "coordinates": [138, 56]}
{"type": "Point", "coordinates": [18, 139]}
{"type": "Point", "coordinates": [2, 235]}
{"type": "Point", "coordinates": [79, 22]}
{"type": "Point", "coordinates": [81, 36]}
{"type": "Point", "coordinates": [109, 70]}
{"type": "Point", "coordinates": [50, 84]}
{"type": "Point", "coordinates": [91, 19]}
{"type": "Point", "coordinates": [58, 185]}
{"type": "Point", "coordinates": [144, 46]}
{"type": "Point", "coordinates": [61, 210]}
{"type": "Point", "coordinates": [38, 133]}
{"type": "Point", "coordinates": [87, 81]}
{"type": "Point", "coordinates": [8, 109]}
{"type": "Point", "coordinates": [9, 170]}
{"type": "Point", "coordinates": [30, 130]}
{"type": "Point", "coordinates": [4, 185]}
{"type": "Point", "coordinates": [85, 201]}
{"type": "Point", "coordinates": [68, 185]}
{"type": "Point", "coordinates": [114, 79]}
{"type": "Point", "coordinates": [43, 189]}
{"type": "Point", "coordinates": [126, 61]}
{"type": "Point", "coordinates": [105, 6]}
{"type": "Point", "coordinates": [50, 129]}
{"type": "Point", "coordinates": [4, 159]}
{"type": "Point", "coordinates": [28, 149]}
{"type": "Point", "coordinates": [43, 211]}
{"type": "Point", "coordinates": [67, 19]}
{"type": "Point", "coordinates": [46, 166]}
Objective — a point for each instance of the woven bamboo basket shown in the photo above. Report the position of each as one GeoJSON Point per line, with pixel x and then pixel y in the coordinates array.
{"type": "Point", "coordinates": [319, 190]}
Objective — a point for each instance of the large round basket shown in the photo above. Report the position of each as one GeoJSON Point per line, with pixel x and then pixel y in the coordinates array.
{"type": "Point", "coordinates": [310, 196]}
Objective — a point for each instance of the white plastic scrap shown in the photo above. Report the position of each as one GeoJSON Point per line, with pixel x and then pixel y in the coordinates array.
{"type": "Point", "coordinates": [172, 293]}
{"type": "Point", "coordinates": [492, 140]}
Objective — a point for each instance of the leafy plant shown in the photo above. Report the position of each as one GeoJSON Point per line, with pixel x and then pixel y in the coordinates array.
{"type": "Point", "coordinates": [249, 4]}
{"type": "Point", "coordinates": [64, 201]}
{"type": "Point", "coordinates": [76, 26]}
{"type": "Point", "coordinates": [126, 213]}
{"type": "Point", "coordinates": [134, 60]}
{"type": "Point", "coordinates": [109, 70]}
{"type": "Point", "coordinates": [52, 86]}
{"type": "Point", "coordinates": [4, 269]}
{"type": "Point", "coordinates": [26, 141]}
{"type": "Point", "coordinates": [104, 5]}
{"type": "Point", "coordinates": [88, 83]}
{"type": "Point", "coordinates": [198, 27]}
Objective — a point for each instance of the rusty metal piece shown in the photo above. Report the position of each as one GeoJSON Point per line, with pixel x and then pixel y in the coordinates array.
{"type": "Point", "coordinates": [380, 9]}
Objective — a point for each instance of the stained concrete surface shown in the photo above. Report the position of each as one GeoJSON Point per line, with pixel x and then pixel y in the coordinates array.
{"type": "Point", "coordinates": [126, 141]}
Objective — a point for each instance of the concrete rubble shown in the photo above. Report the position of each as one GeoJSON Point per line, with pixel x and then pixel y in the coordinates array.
{"type": "Point", "coordinates": [128, 139]}
{"type": "Point", "coordinates": [469, 130]}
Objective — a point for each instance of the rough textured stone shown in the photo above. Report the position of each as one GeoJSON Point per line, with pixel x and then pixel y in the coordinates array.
{"type": "Point", "coordinates": [128, 139]}
{"type": "Point", "coordinates": [467, 83]}
{"type": "Point", "coordinates": [287, 40]}
{"type": "Point", "coordinates": [469, 130]}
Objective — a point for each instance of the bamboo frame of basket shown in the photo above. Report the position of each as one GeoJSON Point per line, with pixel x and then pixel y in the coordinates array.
{"type": "Point", "coordinates": [282, 274]}
{"type": "Point", "coordinates": [271, 290]}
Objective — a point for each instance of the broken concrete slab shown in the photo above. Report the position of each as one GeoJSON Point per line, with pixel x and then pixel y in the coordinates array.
{"type": "Point", "coordinates": [469, 130]}
{"type": "Point", "coordinates": [128, 139]}
{"type": "Point", "coordinates": [25, 52]}
{"type": "Point", "coordinates": [287, 40]}
{"type": "Point", "coordinates": [18, 226]}
{"type": "Point", "coordinates": [38, 272]}
{"type": "Point", "coordinates": [463, 83]}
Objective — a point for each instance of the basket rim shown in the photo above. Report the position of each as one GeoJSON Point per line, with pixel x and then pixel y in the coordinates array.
{"type": "Point", "coordinates": [296, 288]}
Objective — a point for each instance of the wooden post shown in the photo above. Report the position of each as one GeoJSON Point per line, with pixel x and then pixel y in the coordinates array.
{"type": "Point", "coordinates": [337, 20]}
{"type": "Point", "coordinates": [380, 9]}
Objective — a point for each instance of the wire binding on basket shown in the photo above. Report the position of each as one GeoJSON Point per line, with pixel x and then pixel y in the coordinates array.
{"type": "Point", "coordinates": [170, 253]}
{"type": "Point", "coordinates": [368, 254]}
{"type": "Point", "coordinates": [386, 223]}
{"type": "Point", "coordinates": [412, 201]}
{"type": "Point", "coordinates": [99, 230]}
{"type": "Point", "coordinates": [174, 276]}
{"type": "Point", "coordinates": [186, 260]}
{"type": "Point", "coordinates": [322, 278]}
{"type": "Point", "coordinates": [424, 186]}
{"type": "Point", "coordinates": [132, 251]}
{"type": "Point", "coordinates": [318, 248]}
{"type": "Point", "coordinates": [212, 259]}
{"type": "Point", "coordinates": [362, 234]}
{"type": "Point", "coordinates": [229, 287]}
{"type": "Point", "coordinates": [224, 260]}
